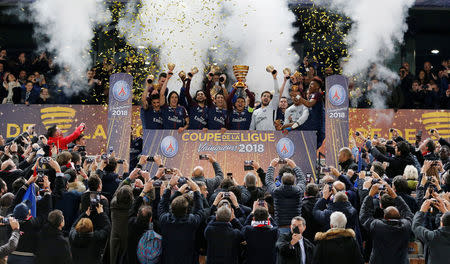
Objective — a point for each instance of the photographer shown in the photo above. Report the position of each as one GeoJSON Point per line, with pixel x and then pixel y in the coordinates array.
{"type": "Point", "coordinates": [397, 163]}
{"type": "Point", "coordinates": [436, 241]}
{"type": "Point", "coordinates": [211, 183]}
{"type": "Point", "coordinates": [110, 179]}
{"type": "Point", "coordinates": [88, 236]}
{"type": "Point", "coordinates": [177, 225]}
{"type": "Point", "coordinates": [260, 234]}
{"type": "Point", "coordinates": [11, 245]}
{"type": "Point", "coordinates": [287, 197]}
{"type": "Point", "coordinates": [293, 247]}
{"type": "Point", "coordinates": [390, 235]}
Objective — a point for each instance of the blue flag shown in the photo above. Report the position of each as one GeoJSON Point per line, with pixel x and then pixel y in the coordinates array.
{"type": "Point", "coordinates": [30, 196]}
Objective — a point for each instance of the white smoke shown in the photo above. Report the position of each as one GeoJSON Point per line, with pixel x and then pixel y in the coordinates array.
{"type": "Point", "coordinates": [182, 30]}
{"type": "Point", "coordinates": [68, 27]}
{"type": "Point", "coordinates": [259, 33]}
{"type": "Point", "coordinates": [378, 26]}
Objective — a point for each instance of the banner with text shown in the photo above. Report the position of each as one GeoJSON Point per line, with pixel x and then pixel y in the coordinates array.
{"type": "Point", "coordinates": [230, 149]}
{"type": "Point", "coordinates": [119, 115]}
{"type": "Point", "coordinates": [336, 120]}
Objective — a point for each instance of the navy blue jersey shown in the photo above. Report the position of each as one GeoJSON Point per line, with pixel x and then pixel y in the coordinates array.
{"type": "Point", "coordinates": [198, 117]}
{"type": "Point", "coordinates": [151, 119]}
{"type": "Point", "coordinates": [173, 118]}
{"type": "Point", "coordinates": [316, 118]}
{"type": "Point", "coordinates": [280, 115]}
{"type": "Point", "coordinates": [239, 121]}
{"type": "Point", "coordinates": [216, 118]}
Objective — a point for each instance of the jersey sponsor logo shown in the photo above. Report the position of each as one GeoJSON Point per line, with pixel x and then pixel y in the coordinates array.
{"type": "Point", "coordinates": [285, 148]}
{"type": "Point", "coordinates": [169, 146]}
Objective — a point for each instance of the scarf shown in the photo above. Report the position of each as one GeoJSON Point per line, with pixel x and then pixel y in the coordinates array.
{"type": "Point", "coordinates": [265, 223]}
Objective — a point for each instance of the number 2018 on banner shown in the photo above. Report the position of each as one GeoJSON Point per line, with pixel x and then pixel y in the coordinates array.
{"type": "Point", "coordinates": [119, 112]}
{"type": "Point", "coordinates": [336, 115]}
{"type": "Point", "coordinates": [251, 148]}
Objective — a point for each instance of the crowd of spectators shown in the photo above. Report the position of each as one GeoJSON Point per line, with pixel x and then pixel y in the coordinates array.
{"type": "Point", "coordinates": [428, 89]}
{"type": "Point", "coordinates": [59, 205]}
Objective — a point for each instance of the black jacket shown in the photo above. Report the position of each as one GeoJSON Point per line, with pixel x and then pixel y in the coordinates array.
{"type": "Point", "coordinates": [223, 242]}
{"type": "Point", "coordinates": [337, 246]}
{"type": "Point", "coordinates": [287, 198]}
{"type": "Point", "coordinates": [178, 234]}
{"type": "Point", "coordinates": [288, 254]}
{"type": "Point", "coordinates": [261, 243]}
{"type": "Point", "coordinates": [390, 237]}
{"type": "Point", "coordinates": [52, 247]}
{"type": "Point", "coordinates": [307, 213]}
{"type": "Point", "coordinates": [397, 164]}
{"type": "Point", "coordinates": [212, 183]}
{"type": "Point", "coordinates": [89, 247]}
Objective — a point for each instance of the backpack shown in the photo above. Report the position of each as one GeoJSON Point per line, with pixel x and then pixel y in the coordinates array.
{"type": "Point", "coordinates": [149, 248]}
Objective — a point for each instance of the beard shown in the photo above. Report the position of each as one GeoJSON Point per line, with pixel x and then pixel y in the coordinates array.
{"type": "Point", "coordinates": [265, 103]}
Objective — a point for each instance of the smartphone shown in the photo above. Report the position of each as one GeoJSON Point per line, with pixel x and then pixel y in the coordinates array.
{"type": "Point", "coordinates": [308, 177]}
{"type": "Point", "coordinates": [120, 161]}
{"type": "Point", "coordinates": [226, 194]}
{"type": "Point", "coordinates": [111, 149]}
{"type": "Point", "coordinates": [432, 131]}
{"type": "Point", "coordinates": [375, 136]}
{"type": "Point", "coordinates": [248, 165]}
{"type": "Point", "coordinates": [168, 171]}
{"type": "Point", "coordinates": [325, 169]}
{"type": "Point", "coordinates": [261, 202]}
{"type": "Point", "coordinates": [391, 130]}
{"type": "Point", "coordinates": [203, 157]}
{"type": "Point", "coordinates": [230, 175]}
{"type": "Point", "coordinates": [282, 161]}
{"type": "Point", "coordinates": [151, 159]}
{"type": "Point", "coordinates": [295, 230]}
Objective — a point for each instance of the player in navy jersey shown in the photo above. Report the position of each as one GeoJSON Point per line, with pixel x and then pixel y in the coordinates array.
{"type": "Point", "coordinates": [174, 116]}
{"type": "Point", "coordinates": [217, 114]}
{"type": "Point", "coordinates": [198, 107]}
{"type": "Point", "coordinates": [151, 115]}
{"type": "Point", "coordinates": [240, 116]}
{"type": "Point", "coordinates": [316, 118]}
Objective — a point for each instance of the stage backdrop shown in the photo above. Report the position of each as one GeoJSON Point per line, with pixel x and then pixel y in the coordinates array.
{"type": "Point", "coordinates": [230, 149]}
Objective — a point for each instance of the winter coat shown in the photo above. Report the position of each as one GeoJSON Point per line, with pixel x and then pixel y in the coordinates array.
{"type": "Point", "coordinates": [337, 246]}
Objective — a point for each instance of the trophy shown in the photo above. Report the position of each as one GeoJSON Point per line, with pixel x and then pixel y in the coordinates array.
{"type": "Point", "coordinates": [215, 68]}
{"type": "Point", "coordinates": [194, 70]}
{"type": "Point", "coordinates": [150, 79]}
{"type": "Point", "coordinates": [287, 71]}
{"type": "Point", "coordinates": [240, 72]}
{"type": "Point", "coordinates": [182, 75]}
{"type": "Point", "coordinates": [171, 66]}
{"type": "Point", "coordinates": [271, 69]}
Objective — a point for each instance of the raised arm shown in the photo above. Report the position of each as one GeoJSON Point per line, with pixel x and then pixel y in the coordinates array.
{"type": "Point", "coordinates": [251, 96]}
{"type": "Point", "coordinates": [270, 174]}
{"type": "Point", "coordinates": [187, 91]}
{"type": "Point", "coordinates": [366, 214]}
{"type": "Point", "coordinates": [276, 96]}
{"type": "Point", "coordinates": [162, 96]}
{"type": "Point", "coordinates": [230, 99]}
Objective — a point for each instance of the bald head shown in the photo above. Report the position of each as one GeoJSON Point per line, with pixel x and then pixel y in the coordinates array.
{"type": "Point", "coordinates": [340, 197]}
{"type": "Point", "coordinates": [339, 186]}
{"type": "Point", "coordinates": [198, 172]}
{"type": "Point", "coordinates": [391, 213]}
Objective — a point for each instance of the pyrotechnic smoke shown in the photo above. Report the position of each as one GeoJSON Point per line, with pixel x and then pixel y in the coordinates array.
{"type": "Point", "coordinates": [378, 26]}
{"type": "Point", "coordinates": [181, 30]}
{"type": "Point", "coordinates": [259, 33]}
{"type": "Point", "coordinates": [66, 28]}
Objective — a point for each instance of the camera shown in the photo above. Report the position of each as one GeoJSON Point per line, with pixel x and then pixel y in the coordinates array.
{"type": "Point", "coordinates": [81, 148]}
{"type": "Point", "coordinates": [203, 157]}
{"type": "Point", "coordinates": [221, 79]}
{"type": "Point", "coordinates": [120, 161]}
{"type": "Point", "coordinates": [382, 188]}
{"type": "Point", "coordinates": [308, 177]}
{"type": "Point", "coordinates": [357, 134]}
{"type": "Point", "coordinates": [168, 171]}
{"type": "Point", "coordinates": [248, 165]}
{"type": "Point", "coordinates": [375, 181]}
{"type": "Point", "coordinates": [157, 183]}
{"type": "Point", "coordinates": [89, 160]}
{"type": "Point", "coordinates": [45, 160]}
{"type": "Point", "coordinates": [282, 161]}
{"type": "Point", "coordinates": [226, 194]}
{"type": "Point", "coordinates": [230, 175]}
{"type": "Point", "coordinates": [261, 202]}
{"type": "Point", "coordinates": [94, 200]}
{"type": "Point", "coordinates": [391, 130]}
{"type": "Point", "coordinates": [77, 168]}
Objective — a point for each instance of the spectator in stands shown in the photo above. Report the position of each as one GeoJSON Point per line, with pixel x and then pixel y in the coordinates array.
{"type": "Point", "coordinates": [177, 225]}
{"type": "Point", "coordinates": [44, 97]}
{"type": "Point", "coordinates": [52, 246]}
{"type": "Point", "coordinates": [429, 73]}
{"type": "Point", "coordinates": [250, 191]}
{"type": "Point", "coordinates": [13, 90]}
{"type": "Point", "coordinates": [287, 197]}
{"type": "Point", "coordinates": [397, 163]}
{"type": "Point", "coordinates": [22, 77]}
{"type": "Point", "coordinates": [110, 179]}
{"type": "Point", "coordinates": [390, 235]}
{"type": "Point", "coordinates": [337, 245]}
{"type": "Point", "coordinates": [11, 245]}
{"type": "Point", "coordinates": [29, 96]}
{"type": "Point", "coordinates": [436, 241]}
{"type": "Point", "coordinates": [211, 183]}
{"type": "Point", "coordinates": [260, 234]}
{"type": "Point", "coordinates": [400, 186]}
{"type": "Point", "coordinates": [411, 176]}
{"type": "Point", "coordinates": [22, 63]}
{"type": "Point", "coordinates": [263, 118]}
{"type": "Point", "coordinates": [293, 247]}
{"type": "Point", "coordinates": [88, 238]}
{"type": "Point", "coordinates": [223, 241]}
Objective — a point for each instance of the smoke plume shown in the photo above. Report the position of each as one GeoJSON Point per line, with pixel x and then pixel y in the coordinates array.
{"type": "Point", "coordinates": [377, 27]}
{"type": "Point", "coordinates": [66, 28]}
